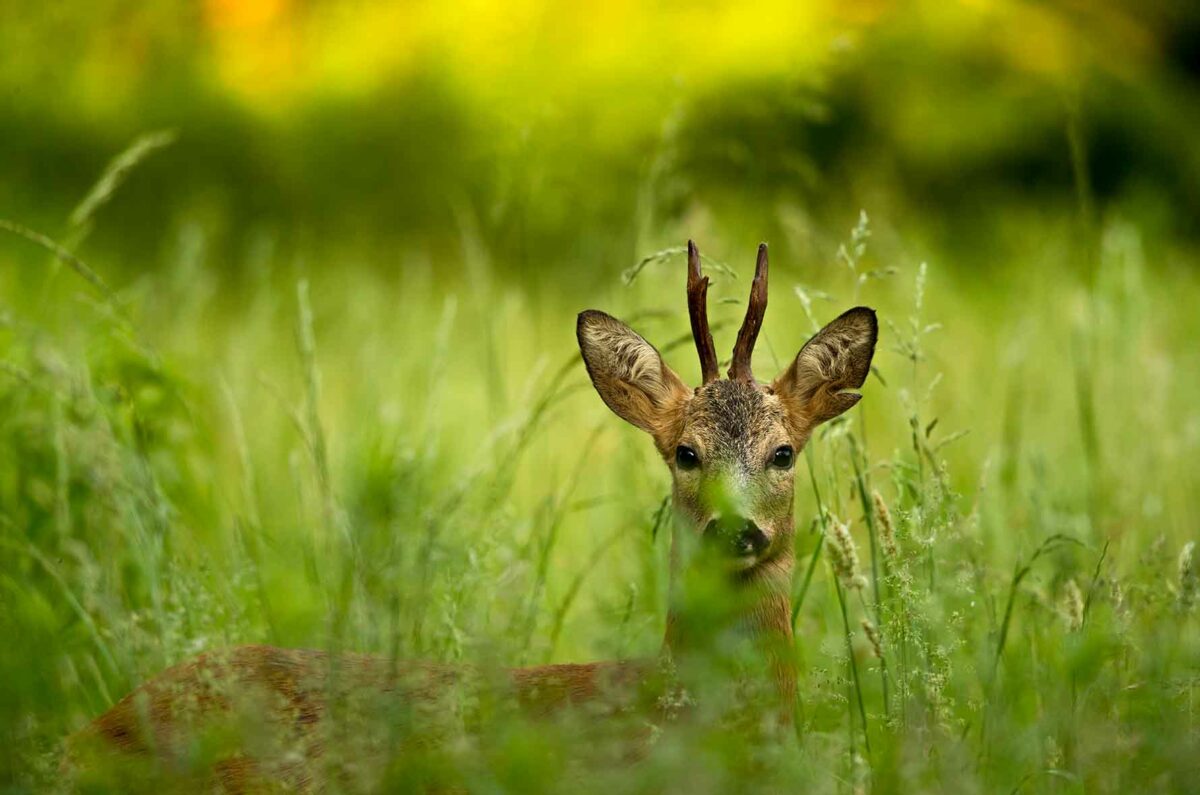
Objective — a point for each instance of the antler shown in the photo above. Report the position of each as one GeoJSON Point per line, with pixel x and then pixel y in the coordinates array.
{"type": "Point", "coordinates": [739, 369]}
{"type": "Point", "coordinates": [697, 290]}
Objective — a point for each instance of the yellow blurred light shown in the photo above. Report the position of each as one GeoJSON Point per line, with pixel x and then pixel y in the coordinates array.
{"type": "Point", "coordinates": [242, 14]}
{"type": "Point", "coordinates": [527, 49]}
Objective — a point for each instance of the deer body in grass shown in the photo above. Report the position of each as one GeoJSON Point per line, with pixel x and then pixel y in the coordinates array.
{"type": "Point", "coordinates": [731, 446]}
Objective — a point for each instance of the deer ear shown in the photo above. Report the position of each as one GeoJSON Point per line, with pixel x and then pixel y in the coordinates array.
{"type": "Point", "coordinates": [630, 375]}
{"type": "Point", "coordinates": [836, 359]}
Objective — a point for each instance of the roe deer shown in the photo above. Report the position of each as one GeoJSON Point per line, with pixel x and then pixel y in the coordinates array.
{"type": "Point", "coordinates": [731, 447]}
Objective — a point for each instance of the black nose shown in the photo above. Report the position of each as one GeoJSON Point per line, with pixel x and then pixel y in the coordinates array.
{"type": "Point", "coordinates": [737, 534]}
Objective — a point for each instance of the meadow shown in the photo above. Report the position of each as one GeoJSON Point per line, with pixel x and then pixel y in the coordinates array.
{"type": "Point", "coordinates": [215, 430]}
{"type": "Point", "coordinates": [312, 467]}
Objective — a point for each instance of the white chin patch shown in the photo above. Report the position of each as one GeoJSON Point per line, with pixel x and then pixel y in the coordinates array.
{"type": "Point", "coordinates": [743, 562]}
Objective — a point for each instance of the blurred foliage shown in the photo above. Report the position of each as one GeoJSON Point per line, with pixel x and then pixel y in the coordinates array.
{"type": "Point", "coordinates": [555, 124]}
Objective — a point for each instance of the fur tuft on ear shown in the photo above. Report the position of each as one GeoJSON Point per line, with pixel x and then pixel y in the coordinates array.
{"type": "Point", "coordinates": [630, 375]}
{"type": "Point", "coordinates": [837, 358]}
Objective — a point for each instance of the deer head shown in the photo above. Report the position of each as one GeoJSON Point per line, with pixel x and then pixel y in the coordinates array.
{"type": "Point", "coordinates": [731, 444]}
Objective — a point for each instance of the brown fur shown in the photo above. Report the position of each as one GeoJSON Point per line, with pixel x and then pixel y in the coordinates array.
{"type": "Point", "coordinates": [287, 695]}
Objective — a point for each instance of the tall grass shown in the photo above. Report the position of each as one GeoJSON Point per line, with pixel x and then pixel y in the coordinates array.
{"type": "Point", "coordinates": [348, 459]}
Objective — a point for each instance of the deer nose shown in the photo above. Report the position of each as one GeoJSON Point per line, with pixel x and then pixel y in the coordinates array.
{"type": "Point", "coordinates": [739, 535]}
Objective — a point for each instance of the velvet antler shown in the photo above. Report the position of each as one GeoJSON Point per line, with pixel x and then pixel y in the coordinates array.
{"type": "Point", "coordinates": [697, 290]}
{"type": "Point", "coordinates": [739, 369]}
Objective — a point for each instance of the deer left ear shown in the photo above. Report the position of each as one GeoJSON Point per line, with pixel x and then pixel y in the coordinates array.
{"type": "Point", "coordinates": [630, 375]}
{"type": "Point", "coordinates": [837, 359]}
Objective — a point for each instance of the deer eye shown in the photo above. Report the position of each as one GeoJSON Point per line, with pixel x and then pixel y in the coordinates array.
{"type": "Point", "coordinates": [783, 457]}
{"type": "Point", "coordinates": [686, 458]}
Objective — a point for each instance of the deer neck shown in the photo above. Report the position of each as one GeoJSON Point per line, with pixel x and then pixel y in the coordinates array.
{"type": "Point", "coordinates": [762, 617]}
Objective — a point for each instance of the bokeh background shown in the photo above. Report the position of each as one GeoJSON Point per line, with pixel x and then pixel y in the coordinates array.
{"type": "Point", "coordinates": [573, 134]}
{"type": "Point", "coordinates": [328, 393]}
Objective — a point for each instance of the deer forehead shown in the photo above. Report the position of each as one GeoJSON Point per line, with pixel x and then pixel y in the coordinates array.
{"type": "Point", "coordinates": [733, 419]}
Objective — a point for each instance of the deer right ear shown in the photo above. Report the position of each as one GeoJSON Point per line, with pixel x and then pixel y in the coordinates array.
{"type": "Point", "coordinates": [630, 375]}
{"type": "Point", "coordinates": [837, 359]}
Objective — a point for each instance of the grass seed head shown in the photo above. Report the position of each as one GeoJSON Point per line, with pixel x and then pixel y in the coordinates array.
{"type": "Point", "coordinates": [887, 529]}
{"type": "Point", "coordinates": [1116, 595]}
{"type": "Point", "coordinates": [872, 633]}
{"type": "Point", "coordinates": [1072, 606]}
{"type": "Point", "coordinates": [1189, 579]}
{"type": "Point", "coordinates": [845, 556]}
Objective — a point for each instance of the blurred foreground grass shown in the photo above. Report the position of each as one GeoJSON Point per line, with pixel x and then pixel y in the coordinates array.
{"type": "Point", "coordinates": [408, 460]}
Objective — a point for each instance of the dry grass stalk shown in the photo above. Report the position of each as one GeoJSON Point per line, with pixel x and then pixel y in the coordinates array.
{"type": "Point", "coordinates": [1072, 606]}
{"type": "Point", "coordinates": [1189, 578]}
{"type": "Point", "coordinates": [872, 633]}
{"type": "Point", "coordinates": [887, 529]}
{"type": "Point", "coordinates": [845, 556]}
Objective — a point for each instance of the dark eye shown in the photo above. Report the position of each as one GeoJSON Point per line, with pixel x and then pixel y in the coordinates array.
{"type": "Point", "coordinates": [783, 457]}
{"type": "Point", "coordinates": [686, 458]}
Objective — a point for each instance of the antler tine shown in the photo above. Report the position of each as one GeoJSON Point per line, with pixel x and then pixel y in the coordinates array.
{"type": "Point", "coordinates": [697, 290]}
{"type": "Point", "coordinates": [739, 369]}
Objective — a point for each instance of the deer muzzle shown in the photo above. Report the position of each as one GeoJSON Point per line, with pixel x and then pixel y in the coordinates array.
{"type": "Point", "coordinates": [736, 536]}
